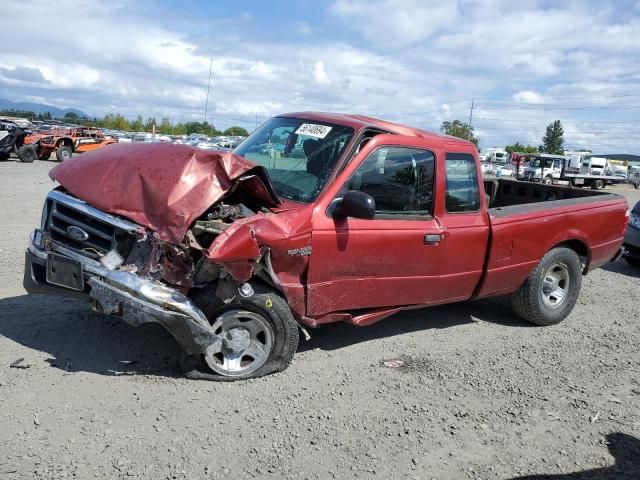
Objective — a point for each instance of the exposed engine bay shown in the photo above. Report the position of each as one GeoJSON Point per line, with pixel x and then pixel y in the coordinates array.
{"type": "Point", "coordinates": [185, 265]}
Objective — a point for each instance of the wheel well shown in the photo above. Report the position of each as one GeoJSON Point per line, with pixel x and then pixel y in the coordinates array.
{"type": "Point", "coordinates": [65, 142]}
{"type": "Point", "coordinates": [580, 248]}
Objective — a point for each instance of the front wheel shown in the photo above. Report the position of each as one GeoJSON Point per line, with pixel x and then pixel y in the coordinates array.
{"type": "Point", "coordinates": [257, 336]}
{"type": "Point", "coordinates": [597, 184]}
{"type": "Point", "coordinates": [547, 180]}
{"type": "Point", "coordinates": [27, 153]}
{"type": "Point", "coordinates": [63, 153]}
{"type": "Point", "coordinates": [550, 292]}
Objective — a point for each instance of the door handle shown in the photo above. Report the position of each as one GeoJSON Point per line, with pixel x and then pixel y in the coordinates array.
{"type": "Point", "coordinates": [432, 238]}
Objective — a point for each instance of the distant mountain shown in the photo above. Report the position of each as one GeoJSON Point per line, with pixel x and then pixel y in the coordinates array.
{"type": "Point", "coordinates": [38, 108]}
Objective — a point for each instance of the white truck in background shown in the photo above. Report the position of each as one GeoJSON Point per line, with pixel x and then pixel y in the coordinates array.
{"type": "Point", "coordinates": [594, 172]}
{"type": "Point", "coordinates": [580, 170]}
{"type": "Point", "coordinates": [594, 165]}
{"type": "Point", "coordinates": [544, 168]}
{"type": "Point", "coordinates": [495, 155]}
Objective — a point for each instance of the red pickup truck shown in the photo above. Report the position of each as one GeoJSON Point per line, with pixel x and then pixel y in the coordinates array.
{"type": "Point", "coordinates": [315, 218]}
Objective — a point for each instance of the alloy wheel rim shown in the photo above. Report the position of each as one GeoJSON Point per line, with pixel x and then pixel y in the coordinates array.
{"type": "Point", "coordinates": [555, 285]}
{"type": "Point", "coordinates": [244, 343]}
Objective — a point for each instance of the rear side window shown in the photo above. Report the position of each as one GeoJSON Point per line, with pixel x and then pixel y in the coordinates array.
{"type": "Point", "coordinates": [463, 192]}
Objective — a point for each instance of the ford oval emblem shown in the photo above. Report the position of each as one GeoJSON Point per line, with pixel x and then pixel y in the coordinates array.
{"type": "Point", "coordinates": [78, 234]}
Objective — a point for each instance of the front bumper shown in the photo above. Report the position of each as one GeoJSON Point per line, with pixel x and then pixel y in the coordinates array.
{"type": "Point", "coordinates": [136, 300]}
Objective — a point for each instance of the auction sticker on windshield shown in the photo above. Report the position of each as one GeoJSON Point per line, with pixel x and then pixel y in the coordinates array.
{"type": "Point", "coordinates": [313, 130]}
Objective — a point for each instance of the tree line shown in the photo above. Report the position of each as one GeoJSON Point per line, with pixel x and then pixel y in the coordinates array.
{"type": "Point", "coordinates": [552, 142]}
{"type": "Point", "coordinates": [118, 121]}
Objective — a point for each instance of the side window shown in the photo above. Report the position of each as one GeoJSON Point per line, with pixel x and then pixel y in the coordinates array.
{"type": "Point", "coordinates": [463, 193]}
{"type": "Point", "coordinates": [399, 179]}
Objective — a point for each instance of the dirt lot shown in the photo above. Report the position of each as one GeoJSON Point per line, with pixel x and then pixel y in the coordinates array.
{"type": "Point", "coordinates": [481, 394]}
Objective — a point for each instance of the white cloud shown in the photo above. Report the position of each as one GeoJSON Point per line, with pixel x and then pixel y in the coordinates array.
{"type": "Point", "coordinates": [303, 28]}
{"type": "Point", "coordinates": [528, 96]}
{"type": "Point", "coordinates": [319, 74]}
{"type": "Point", "coordinates": [396, 23]}
{"type": "Point", "coordinates": [411, 61]}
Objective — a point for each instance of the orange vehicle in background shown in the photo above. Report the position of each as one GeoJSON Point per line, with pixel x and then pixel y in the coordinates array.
{"type": "Point", "coordinates": [64, 142]}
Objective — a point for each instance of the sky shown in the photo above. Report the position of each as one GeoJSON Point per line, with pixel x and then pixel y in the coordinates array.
{"type": "Point", "coordinates": [419, 62]}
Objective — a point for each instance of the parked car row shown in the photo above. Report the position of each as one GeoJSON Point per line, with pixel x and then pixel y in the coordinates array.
{"type": "Point", "coordinates": [41, 141]}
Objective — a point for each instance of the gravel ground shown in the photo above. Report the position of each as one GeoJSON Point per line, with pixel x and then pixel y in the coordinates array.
{"type": "Point", "coordinates": [480, 394]}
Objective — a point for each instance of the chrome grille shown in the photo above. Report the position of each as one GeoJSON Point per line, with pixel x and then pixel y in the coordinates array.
{"type": "Point", "coordinates": [104, 232]}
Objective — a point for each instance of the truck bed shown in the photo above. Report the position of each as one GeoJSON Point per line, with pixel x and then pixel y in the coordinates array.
{"type": "Point", "coordinates": [528, 219]}
{"type": "Point", "coordinates": [507, 193]}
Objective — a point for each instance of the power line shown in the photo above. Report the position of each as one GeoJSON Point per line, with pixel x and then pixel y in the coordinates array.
{"type": "Point", "coordinates": [545, 108]}
{"type": "Point", "coordinates": [563, 121]}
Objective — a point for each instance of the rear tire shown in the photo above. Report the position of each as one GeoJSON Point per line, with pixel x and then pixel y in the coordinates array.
{"type": "Point", "coordinates": [265, 311]}
{"type": "Point", "coordinates": [27, 154]}
{"type": "Point", "coordinates": [64, 153]}
{"type": "Point", "coordinates": [550, 292]}
{"type": "Point", "coordinates": [597, 184]}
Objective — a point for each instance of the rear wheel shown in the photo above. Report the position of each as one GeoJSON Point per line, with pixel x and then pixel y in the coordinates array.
{"type": "Point", "coordinates": [597, 184]}
{"type": "Point", "coordinates": [27, 154]}
{"type": "Point", "coordinates": [257, 335]}
{"type": "Point", "coordinates": [550, 292]}
{"type": "Point", "coordinates": [63, 153]}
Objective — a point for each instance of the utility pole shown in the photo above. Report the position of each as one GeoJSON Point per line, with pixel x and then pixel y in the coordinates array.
{"type": "Point", "coordinates": [470, 118]}
{"type": "Point", "coordinates": [206, 103]}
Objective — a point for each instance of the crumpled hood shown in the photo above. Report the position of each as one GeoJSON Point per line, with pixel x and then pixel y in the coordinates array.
{"type": "Point", "coordinates": [163, 187]}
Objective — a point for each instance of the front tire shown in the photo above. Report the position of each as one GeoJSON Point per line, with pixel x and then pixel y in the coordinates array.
{"type": "Point", "coordinates": [547, 180]}
{"type": "Point", "coordinates": [551, 290]}
{"type": "Point", "coordinates": [63, 153]}
{"type": "Point", "coordinates": [597, 184]}
{"type": "Point", "coordinates": [258, 336]}
{"type": "Point", "coordinates": [27, 154]}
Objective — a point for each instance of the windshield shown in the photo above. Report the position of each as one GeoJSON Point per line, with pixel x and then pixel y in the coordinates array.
{"type": "Point", "coordinates": [535, 162]}
{"type": "Point", "coordinates": [298, 154]}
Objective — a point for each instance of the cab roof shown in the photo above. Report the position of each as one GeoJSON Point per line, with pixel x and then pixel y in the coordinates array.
{"type": "Point", "coordinates": [359, 122]}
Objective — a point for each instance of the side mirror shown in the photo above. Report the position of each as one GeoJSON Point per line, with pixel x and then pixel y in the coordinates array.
{"type": "Point", "coordinates": [356, 204]}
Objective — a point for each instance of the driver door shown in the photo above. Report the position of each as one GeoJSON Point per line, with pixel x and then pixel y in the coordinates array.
{"type": "Point", "coordinates": [393, 259]}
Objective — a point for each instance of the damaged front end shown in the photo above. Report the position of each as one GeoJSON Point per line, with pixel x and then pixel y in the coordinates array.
{"type": "Point", "coordinates": [151, 235]}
